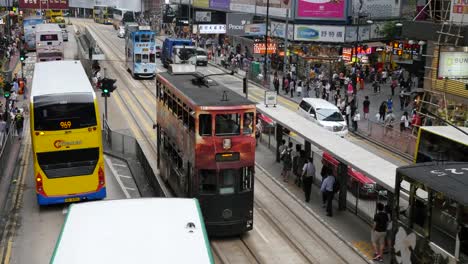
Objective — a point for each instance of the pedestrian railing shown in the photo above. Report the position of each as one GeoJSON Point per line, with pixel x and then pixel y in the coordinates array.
{"type": "Point", "coordinates": [7, 139]}
{"type": "Point", "coordinates": [390, 135]}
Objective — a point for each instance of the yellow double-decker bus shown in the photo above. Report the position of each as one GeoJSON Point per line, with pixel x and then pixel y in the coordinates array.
{"type": "Point", "coordinates": [102, 14]}
{"type": "Point", "coordinates": [54, 16]}
{"type": "Point", "coordinates": [66, 135]}
{"type": "Point", "coordinates": [441, 143]}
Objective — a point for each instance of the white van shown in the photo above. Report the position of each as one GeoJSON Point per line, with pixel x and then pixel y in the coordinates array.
{"type": "Point", "coordinates": [324, 114]}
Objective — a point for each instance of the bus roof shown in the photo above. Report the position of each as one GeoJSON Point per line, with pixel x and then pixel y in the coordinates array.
{"type": "Point", "coordinates": [169, 230]}
{"type": "Point", "coordinates": [203, 95]}
{"type": "Point", "coordinates": [58, 77]}
{"type": "Point", "coordinates": [48, 27]}
{"type": "Point", "coordinates": [449, 132]}
{"type": "Point", "coordinates": [449, 178]}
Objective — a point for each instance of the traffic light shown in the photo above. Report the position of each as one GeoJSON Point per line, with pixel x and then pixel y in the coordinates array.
{"type": "Point", "coordinates": [107, 86]}
{"type": "Point", "coordinates": [23, 55]}
{"type": "Point", "coordinates": [7, 90]}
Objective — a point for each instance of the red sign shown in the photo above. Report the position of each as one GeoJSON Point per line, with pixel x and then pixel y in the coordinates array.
{"type": "Point", "coordinates": [259, 48]}
{"type": "Point", "coordinates": [43, 4]}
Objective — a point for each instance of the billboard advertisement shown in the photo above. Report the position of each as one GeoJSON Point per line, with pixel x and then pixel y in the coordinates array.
{"type": "Point", "coordinates": [278, 30]}
{"type": "Point", "coordinates": [319, 33]}
{"type": "Point", "coordinates": [202, 16]}
{"type": "Point", "coordinates": [43, 4]}
{"type": "Point", "coordinates": [322, 9]}
{"type": "Point", "coordinates": [377, 8]}
{"type": "Point", "coordinates": [255, 29]}
{"type": "Point", "coordinates": [277, 8]}
{"type": "Point", "coordinates": [212, 29]}
{"type": "Point", "coordinates": [351, 33]}
{"type": "Point", "coordinates": [235, 25]}
{"type": "Point", "coordinates": [459, 12]}
{"type": "Point", "coordinates": [246, 6]}
{"type": "Point", "coordinates": [453, 65]}
{"type": "Point", "coordinates": [201, 3]}
{"type": "Point", "coordinates": [219, 4]}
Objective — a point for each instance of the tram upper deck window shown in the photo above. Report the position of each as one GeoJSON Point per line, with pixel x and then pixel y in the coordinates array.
{"type": "Point", "coordinates": [143, 38]}
{"type": "Point", "coordinates": [208, 181]}
{"type": "Point", "coordinates": [247, 126]}
{"type": "Point", "coordinates": [227, 124]}
{"type": "Point", "coordinates": [204, 125]}
{"type": "Point", "coordinates": [227, 179]}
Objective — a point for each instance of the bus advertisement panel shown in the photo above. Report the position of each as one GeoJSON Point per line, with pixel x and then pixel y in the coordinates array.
{"type": "Point", "coordinates": [102, 14]}
{"type": "Point", "coordinates": [66, 135]}
{"type": "Point", "coordinates": [29, 27]}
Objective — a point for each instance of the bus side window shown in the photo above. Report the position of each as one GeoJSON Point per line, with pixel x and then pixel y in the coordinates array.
{"type": "Point", "coordinates": [207, 181]}
{"type": "Point", "coordinates": [204, 125]}
{"type": "Point", "coordinates": [245, 182]}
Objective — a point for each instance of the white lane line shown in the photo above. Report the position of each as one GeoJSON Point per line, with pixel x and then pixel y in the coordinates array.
{"type": "Point", "coordinates": [114, 172]}
{"type": "Point", "coordinates": [131, 189]}
{"type": "Point", "coordinates": [210, 71]}
{"type": "Point", "coordinates": [120, 165]}
{"type": "Point", "coordinates": [125, 176]}
{"type": "Point", "coordinates": [262, 235]}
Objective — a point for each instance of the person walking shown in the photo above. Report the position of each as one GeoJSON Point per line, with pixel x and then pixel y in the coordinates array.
{"type": "Point", "coordinates": [365, 107]}
{"type": "Point", "coordinates": [327, 188]}
{"type": "Point", "coordinates": [19, 120]}
{"type": "Point", "coordinates": [286, 85]}
{"type": "Point", "coordinates": [276, 84]}
{"type": "Point", "coordinates": [393, 86]}
{"type": "Point", "coordinates": [390, 104]}
{"type": "Point", "coordinates": [356, 119]}
{"type": "Point", "coordinates": [382, 111]}
{"type": "Point", "coordinates": [295, 156]}
{"type": "Point", "coordinates": [286, 157]}
{"type": "Point", "coordinates": [404, 122]}
{"type": "Point", "coordinates": [379, 230]}
{"type": "Point", "coordinates": [308, 175]}
{"type": "Point", "coordinates": [348, 113]}
{"type": "Point", "coordinates": [301, 160]}
{"type": "Point", "coordinates": [402, 99]}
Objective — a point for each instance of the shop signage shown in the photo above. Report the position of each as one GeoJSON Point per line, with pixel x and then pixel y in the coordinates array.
{"type": "Point", "coordinates": [270, 98]}
{"type": "Point", "coordinates": [43, 4]}
{"type": "Point", "coordinates": [199, 3]}
{"type": "Point", "coordinates": [361, 52]}
{"type": "Point", "coordinates": [322, 9]}
{"type": "Point", "coordinates": [278, 29]}
{"type": "Point", "coordinates": [202, 16]}
{"type": "Point", "coordinates": [453, 65]}
{"type": "Point", "coordinates": [459, 11]}
{"type": "Point", "coordinates": [364, 33]}
{"type": "Point", "coordinates": [219, 4]}
{"type": "Point", "coordinates": [276, 8]}
{"type": "Point", "coordinates": [246, 6]}
{"type": "Point", "coordinates": [319, 33]}
{"type": "Point", "coordinates": [255, 29]}
{"type": "Point", "coordinates": [212, 29]}
{"type": "Point", "coordinates": [236, 23]}
{"type": "Point", "coordinates": [259, 48]}
{"type": "Point", "coordinates": [377, 8]}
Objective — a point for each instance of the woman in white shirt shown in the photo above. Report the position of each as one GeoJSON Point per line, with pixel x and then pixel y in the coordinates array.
{"type": "Point", "coordinates": [404, 122]}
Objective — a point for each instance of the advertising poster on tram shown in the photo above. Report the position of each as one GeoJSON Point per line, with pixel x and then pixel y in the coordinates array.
{"type": "Point", "coordinates": [219, 4]}
{"type": "Point", "coordinates": [201, 3]}
{"type": "Point", "coordinates": [276, 8]}
{"type": "Point", "coordinates": [322, 9]}
{"type": "Point", "coordinates": [43, 4]}
{"type": "Point", "coordinates": [245, 6]}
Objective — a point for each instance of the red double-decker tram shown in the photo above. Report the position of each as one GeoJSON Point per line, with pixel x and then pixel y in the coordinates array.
{"type": "Point", "coordinates": [206, 148]}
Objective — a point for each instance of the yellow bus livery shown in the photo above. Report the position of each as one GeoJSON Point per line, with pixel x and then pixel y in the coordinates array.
{"type": "Point", "coordinates": [66, 135]}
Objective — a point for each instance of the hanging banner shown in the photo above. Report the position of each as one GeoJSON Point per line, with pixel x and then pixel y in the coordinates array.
{"type": "Point", "coordinates": [255, 30]}
{"type": "Point", "coordinates": [219, 4]}
{"type": "Point", "coordinates": [201, 3]}
{"type": "Point", "coordinates": [245, 6]}
{"type": "Point", "coordinates": [453, 65]}
{"type": "Point", "coordinates": [43, 4]}
{"type": "Point", "coordinates": [278, 29]}
{"type": "Point", "coordinates": [377, 8]}
{"type": "Point", "coordinates": [319, 33]}
{"type": "Point", "coordinates": [322, 9]}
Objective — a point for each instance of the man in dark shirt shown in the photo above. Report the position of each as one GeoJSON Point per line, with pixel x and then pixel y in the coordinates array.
{"type": "Point", "coordinates": [379, 230]}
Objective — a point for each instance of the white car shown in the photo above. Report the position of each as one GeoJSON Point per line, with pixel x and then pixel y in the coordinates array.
{"type": "Point", "coordinates": [121, 32]}
{"type": "Point", "coordinates": [202, 57]}
{"type": "Point", "coordinates": [324, 114]}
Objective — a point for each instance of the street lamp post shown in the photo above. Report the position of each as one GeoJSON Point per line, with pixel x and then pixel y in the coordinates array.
{"type": "Point", "coordinates": [285, 58]}
{"type": "Point", "coordinates": [265, 64]}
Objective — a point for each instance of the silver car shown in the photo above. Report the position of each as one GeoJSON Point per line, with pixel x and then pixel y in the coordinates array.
{"type": "Point", "coordinates": [202, 57]}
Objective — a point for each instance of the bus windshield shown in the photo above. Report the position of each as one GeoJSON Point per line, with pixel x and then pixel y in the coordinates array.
{"type": "Point", "coordinates": [64, 112]}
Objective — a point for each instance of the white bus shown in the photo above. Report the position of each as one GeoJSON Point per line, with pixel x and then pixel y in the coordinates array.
{"type": "Point", "coordinates": [49, 42]}
{"type": "Point", "coordinates": [121, 16]}
{"type": "Point", "coordinates": [146, 230]}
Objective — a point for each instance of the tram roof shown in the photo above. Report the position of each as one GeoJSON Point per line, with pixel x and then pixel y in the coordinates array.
{"type": "Point", "coordinates": [48, 27]}
{"type": "Point", "coordinates": [449, 132]}
{"type": "Point", "coordinates": [380, 170]}
{"type": "Point", "coordinates": [203, 95]}
{"type": "Point", "coordinates": [450, 178]}
{"type": "Point", "coordinates": [59, 77]}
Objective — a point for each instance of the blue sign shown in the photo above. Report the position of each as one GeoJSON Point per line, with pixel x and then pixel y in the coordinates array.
{"type": "Point", "coordinates": [307, 33]}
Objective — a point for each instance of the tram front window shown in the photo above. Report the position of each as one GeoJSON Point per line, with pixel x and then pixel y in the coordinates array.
{"type": "Point", "coordinates": [227, 124]}
{"type": "Point", "coordinates": [207, 181]}
{"type": "Point", "coordinates": [227, 180]}
{"type": "Point", "coordinates": [137, 58]}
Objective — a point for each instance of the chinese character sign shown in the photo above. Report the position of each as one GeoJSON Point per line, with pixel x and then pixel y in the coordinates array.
{"type": "Point", "coordinates": [43, 4]}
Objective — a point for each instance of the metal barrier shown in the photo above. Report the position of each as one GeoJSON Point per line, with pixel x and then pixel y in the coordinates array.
{"type": "Point", "coordinates": [391, 136]}
{"type": "Point", "coordinates": [7, 139]}
{"type": "Point", "coordinates": [362, 204]}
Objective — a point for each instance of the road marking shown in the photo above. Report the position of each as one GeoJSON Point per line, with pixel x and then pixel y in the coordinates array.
{"type": "Point", "coordinates": [262, 235]}
{"type": "Point", "coordinates": [210, 71]}
{"type": "Point", "coordinates": [120, 165]}
{"type": "Point", "coordinates": [364, 247]}
{"type": "Point", "coordinates": [131, 189]}
{"type": "Point", "coordinates": [124, 176]}
{"type": "Point", "coordinates": [124, 189]}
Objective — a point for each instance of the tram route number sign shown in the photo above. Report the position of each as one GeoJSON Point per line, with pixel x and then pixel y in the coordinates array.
{"type": "Point", "coordinates": [270, 98]}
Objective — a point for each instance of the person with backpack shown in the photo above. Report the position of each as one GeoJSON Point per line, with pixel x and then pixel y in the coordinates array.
{"type": "Point", "coordinates": [379, 231]}
{"type": "Point", "coordinates": [286, 157]}
{"type": "Point", "coordinates": [308, 174]}
{"type": "Point", "coordinates": [327, 188]}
